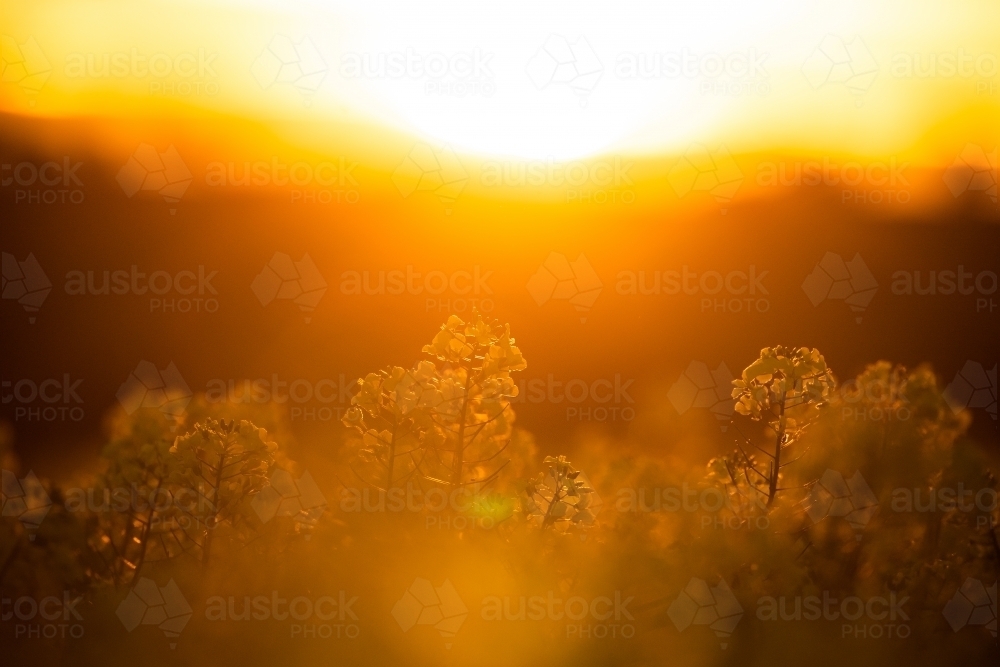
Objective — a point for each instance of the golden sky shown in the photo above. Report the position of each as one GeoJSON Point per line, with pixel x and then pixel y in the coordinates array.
{"type": "Point", "coordinates": [525, 81]}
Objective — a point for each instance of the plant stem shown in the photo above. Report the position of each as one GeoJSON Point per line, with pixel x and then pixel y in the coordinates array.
{"type": "Point", "coordinates": [458, 462]}
{"type": "Point", "coordinates": [207, 549]}
{"type": "Point", "coordinates": [144, 543]}
{"type": "Point", "coordinates": [772, 483]}
{"type": "Point", "coordinates": [392, 454]}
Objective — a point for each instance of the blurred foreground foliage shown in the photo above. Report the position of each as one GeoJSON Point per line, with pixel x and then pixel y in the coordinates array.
{"type": "Point", "coordinates": [818, 496]}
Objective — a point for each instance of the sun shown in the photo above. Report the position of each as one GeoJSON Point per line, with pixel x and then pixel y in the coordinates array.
{"type": "Point", "coordinates": [543, 82]}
